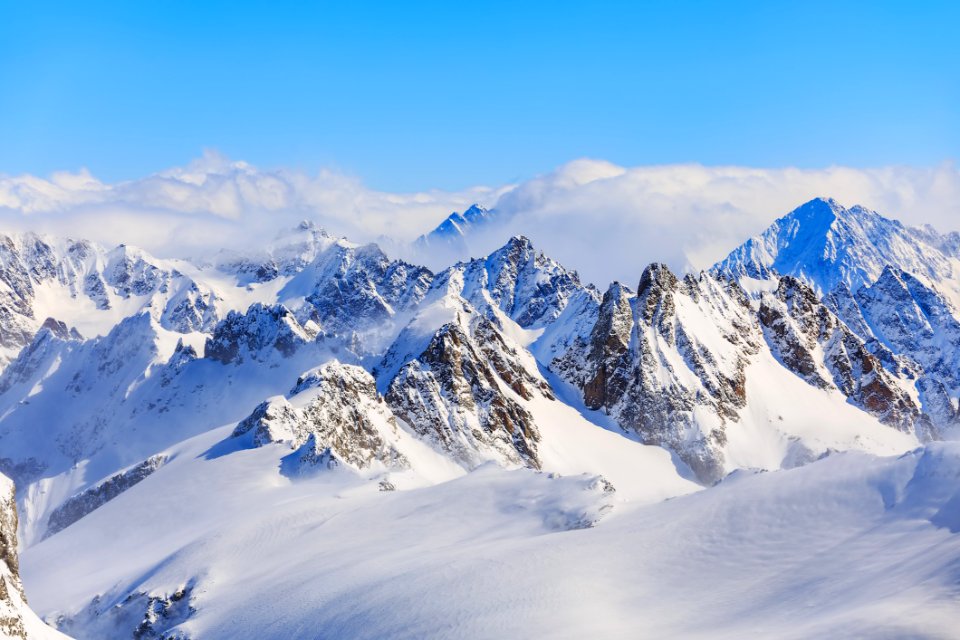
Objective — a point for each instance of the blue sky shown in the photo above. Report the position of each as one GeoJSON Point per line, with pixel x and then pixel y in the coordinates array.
{"type": "Point", "coordinates": [448, 95]}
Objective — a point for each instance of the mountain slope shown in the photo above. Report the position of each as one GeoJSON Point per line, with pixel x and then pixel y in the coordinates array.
{"type": "Point", "coordinates": [694, 365]}
{"type": "Point", "coordinates": [897, 288]}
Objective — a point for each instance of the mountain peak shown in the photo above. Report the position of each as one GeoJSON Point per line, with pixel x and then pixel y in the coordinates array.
{"type": "Point", "coordinates": [825, 244]}
{"type": "Point", "coordinates": [457, 225]}
{"type": "Point", "coordinates": [656, 275]}
{"type": "Point", "coordinates": [518, 242]}
{"type": "Point", "coordinates": [824, 201]}
{"type": "Point", "coordinates": [474, 212]}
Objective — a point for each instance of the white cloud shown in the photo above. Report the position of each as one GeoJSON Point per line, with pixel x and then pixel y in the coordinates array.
{"type": "Point", "coordinates": [609, 221]}
{"type": "Point", "coordinates": [214, 202]}
{"type": "Point", "coordinates": [605, 220]}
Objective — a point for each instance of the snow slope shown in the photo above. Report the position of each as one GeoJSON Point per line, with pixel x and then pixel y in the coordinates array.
{"type": "Point", "coordinates": [850, 546]}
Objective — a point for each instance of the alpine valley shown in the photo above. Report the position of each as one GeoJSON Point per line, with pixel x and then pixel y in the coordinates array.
{"type": "Point", "coordinates": [317, 441]}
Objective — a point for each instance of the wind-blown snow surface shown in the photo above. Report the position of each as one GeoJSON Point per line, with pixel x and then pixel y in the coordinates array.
{"type": "Point", "coordinates": [850, 546]}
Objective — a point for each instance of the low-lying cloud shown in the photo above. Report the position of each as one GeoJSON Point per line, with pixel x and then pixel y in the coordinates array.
{"type": "Point", "coordinates": [604, 220]}
{"type": "Point", "coordinates": [611, 221]}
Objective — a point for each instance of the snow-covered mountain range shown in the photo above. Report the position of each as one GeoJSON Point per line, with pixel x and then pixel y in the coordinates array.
{"type": "Point", "coordinates": [270, 439]}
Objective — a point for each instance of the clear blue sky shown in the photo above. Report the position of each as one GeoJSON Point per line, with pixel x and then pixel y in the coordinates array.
{"type": "Point", "coordinates": [453, 94]}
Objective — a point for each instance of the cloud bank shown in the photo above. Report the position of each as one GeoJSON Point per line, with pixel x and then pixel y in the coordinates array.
{"type": "Point", "coordinates": [611, 221]}
{"type": "Point", "coordinates": [214, 202]}
{"type": "Point", "coordinates": [604, 220]}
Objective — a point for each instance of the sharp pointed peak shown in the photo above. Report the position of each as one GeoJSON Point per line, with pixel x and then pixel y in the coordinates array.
{"type": "Point", "coordinates": [824, 201]}
{"type": "Point", "coordinates": [819, 207]}
{"type": "Point", "coordinates": [656, 273]}
{"type": "Point", "coordinates": [519, 241]}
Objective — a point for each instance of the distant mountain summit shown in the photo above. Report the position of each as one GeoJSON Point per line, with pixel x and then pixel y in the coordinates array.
{"type": "Point", "coordinates": [455, 227]}
{"type": "Point", "coordinates": [825, 244]}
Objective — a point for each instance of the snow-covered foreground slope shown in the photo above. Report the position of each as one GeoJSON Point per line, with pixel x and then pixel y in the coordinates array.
{"type": "Point", "coordinates": [215, 494]}
{"type": "Point", "coordinates": [850, 546]}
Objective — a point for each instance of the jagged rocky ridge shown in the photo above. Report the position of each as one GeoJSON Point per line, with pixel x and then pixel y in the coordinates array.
{"type": "Point", "coordinates": [90, 281]}
{"type": "Point", "coordinates": [644, 364]}
{"type": "Point", "coordinates": [894, 287]}
{"type": "Point", "coordinates": [463, 392]}
{"type": "Point", "coordinates": [12, 599]}
{"type": "Point", "coordinates": [452, 356]}
{"type": "Point", "coordinates": [333, 416]}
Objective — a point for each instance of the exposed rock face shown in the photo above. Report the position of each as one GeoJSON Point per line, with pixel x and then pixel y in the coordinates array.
{"type": "Point", "coordinates": [889, 284]}
{"type": "Point", "coordinates": [12, 598]}
{"type": "Point", "coordinates": [914, 320]}
{"type": "Point", "coordinates": [455, 394]}
{"type": "Point", "coordinates": [83, 503]}
{"type": "Point", "coordinates": [334, 415]}
{"type": "Point", "coordinates": [17, 621]}
{"type": "Point", "coordinates": [257, 334]}
{"type": "Point", "coordinates": [648, 364]}
{"type": "Point", "coordinates": [607, 359]}
{"type": "Point", "coordinates": [813, 343]}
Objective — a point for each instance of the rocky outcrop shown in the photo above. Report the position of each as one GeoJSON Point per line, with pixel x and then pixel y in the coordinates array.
{"type": "Point", "coordinates": [258, 334]}
{"type": "Point", "coordinates": [12, 598]}
{"type": "Point", "coordinates": [648, 364]}
{"type": "Point", "coordinates": [17, 621]}
{"type": "Point", "coordinates": [140, 615]}
{"type": "Point", "coordinates": [455, 394]}
{"type": "Point", "coordinates": [914, 320]}
{"type": "Point", "coordinates": [607, 360]}
{"type": "Point", "coordinates": [78, 506]}
{"type": "Point", "coordinates": [333, 416]}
